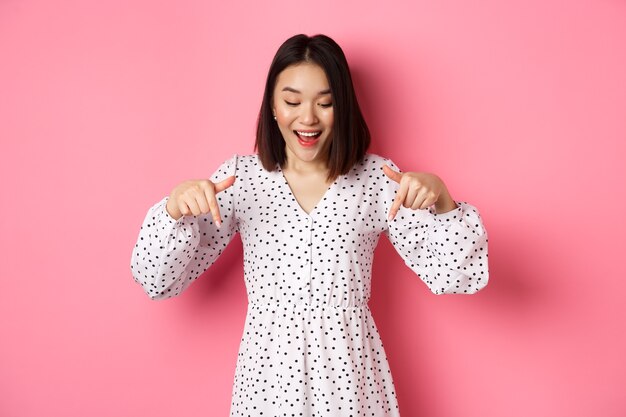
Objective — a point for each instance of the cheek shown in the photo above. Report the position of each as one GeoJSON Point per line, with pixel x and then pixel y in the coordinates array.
{"type": "Point", "coordinates": [329, 119]}
{"type": "Point", "coordinates": [284, 116]}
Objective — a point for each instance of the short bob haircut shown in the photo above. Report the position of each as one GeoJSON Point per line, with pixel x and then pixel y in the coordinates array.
{"type": "Point", "coordinates": [350, 137]}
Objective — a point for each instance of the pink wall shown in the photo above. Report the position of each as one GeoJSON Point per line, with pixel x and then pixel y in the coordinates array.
{"type": "Point", "coordinates": [518, 106]}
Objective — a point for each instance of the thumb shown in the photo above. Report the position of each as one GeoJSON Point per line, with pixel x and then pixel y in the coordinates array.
{"type": "Point", "coordinates": [394, 175]}
{"type": "Point", "coordinates": [222, 185]}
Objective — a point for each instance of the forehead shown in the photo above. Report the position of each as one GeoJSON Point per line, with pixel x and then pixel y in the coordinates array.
{"type": "Point", "coordinates": [304, 77]}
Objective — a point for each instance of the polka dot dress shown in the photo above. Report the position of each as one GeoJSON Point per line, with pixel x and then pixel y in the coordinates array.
{"type": "Point", "coordinates": [310, 346]}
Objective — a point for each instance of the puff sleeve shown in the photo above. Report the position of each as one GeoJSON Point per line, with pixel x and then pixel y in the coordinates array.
{"type": "Point", "coordinates": [448, 251]}
{"type": "Point", "coordinates": [170, 254]}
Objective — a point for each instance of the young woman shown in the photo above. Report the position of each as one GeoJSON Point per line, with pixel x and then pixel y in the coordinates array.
{"type": "Point", "coordinates": [310, 207]}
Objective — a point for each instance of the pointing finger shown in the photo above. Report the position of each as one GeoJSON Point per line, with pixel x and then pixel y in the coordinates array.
{"type": "Point", "coordinates": [394, 175]}
{"type": "Point", "coordinates": [222, 185]}
{"type": "Point", "coordinates": [397, 202]}
{"type": "Point", "coordinates": [213, 206]}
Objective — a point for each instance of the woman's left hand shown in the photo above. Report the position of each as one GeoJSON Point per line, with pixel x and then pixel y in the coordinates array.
{"type": "Point", "coordinates": [419, 190]}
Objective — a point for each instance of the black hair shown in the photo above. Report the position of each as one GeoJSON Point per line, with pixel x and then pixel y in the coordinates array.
{"type": "Point", "coordinates": [350, 134]}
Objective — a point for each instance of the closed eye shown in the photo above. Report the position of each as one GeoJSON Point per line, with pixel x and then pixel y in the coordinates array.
{"type": "Point", "coordinates": [295, 104]}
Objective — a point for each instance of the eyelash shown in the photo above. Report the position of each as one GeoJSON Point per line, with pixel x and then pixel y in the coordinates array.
{"type": "Point", "coordinates": [295, 104]}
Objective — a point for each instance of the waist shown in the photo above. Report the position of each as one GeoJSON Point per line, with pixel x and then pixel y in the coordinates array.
{"type": "Point", "coordinates": [306, 305]}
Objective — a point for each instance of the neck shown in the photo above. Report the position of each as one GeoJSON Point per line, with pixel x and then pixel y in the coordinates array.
{"type": "Point", "coordinates": [314, 167]}
{"type": "Point", "coordinates": [302, 167]}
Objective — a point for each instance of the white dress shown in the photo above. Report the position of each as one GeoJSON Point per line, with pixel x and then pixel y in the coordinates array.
{"type": "Point", "coordinates": [310, 346]}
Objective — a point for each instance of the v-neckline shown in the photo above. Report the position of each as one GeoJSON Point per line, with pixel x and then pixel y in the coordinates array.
{"type": "Point", "coordinates": [317, 206]}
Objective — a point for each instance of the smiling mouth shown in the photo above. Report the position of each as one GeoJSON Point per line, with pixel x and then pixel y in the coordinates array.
{"type": "Point", "coordinates": [307, 136]}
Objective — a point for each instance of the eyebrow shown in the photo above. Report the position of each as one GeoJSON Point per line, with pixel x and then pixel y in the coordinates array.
{"type": "Point", "coordinates": [293, 90]}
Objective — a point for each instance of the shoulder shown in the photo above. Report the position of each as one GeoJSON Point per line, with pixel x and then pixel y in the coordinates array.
{"type": "Point", "coordinates": [246, 167]}
{"type": "Point", "coordinates": [243, 162]}
{"type": "Point", "coordinates": [376, 174]}
{"type": "Point", "coordinates": [235, 164]}
{"type": "Point", "coordinates": [369, 170]}
{"type": "Point", "coordinates": [372, 161]}
{"type": "Point", "coordinates": [247, 158]}
{"type": "Point", "coordinates": [369, 174]}
{"type": "Point", "coordinates": [373, 158]}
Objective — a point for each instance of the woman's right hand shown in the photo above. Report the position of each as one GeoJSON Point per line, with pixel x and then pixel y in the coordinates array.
{"type": "Point", "coordinates": [194, 197]}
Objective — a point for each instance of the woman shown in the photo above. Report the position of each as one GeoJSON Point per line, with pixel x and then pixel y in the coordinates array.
{"type": "Point", "coordinates": [310, 208]}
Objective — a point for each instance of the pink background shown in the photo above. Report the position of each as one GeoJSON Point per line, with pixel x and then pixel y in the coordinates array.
{"type": "Point", "coordinates": [518, 106]}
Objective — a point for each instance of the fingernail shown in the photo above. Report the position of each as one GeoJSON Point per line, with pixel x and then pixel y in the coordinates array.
{"type": "Point", "coordinates": [218, 223]}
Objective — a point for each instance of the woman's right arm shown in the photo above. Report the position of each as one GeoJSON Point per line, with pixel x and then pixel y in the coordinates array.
{"type": "Point", "coordinates": [171, 253]}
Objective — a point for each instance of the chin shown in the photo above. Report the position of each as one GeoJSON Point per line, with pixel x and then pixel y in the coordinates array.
{"type": "Point", "coordinates": [313, 154]}
{"type": "Point", "coordinates": [309, 156]}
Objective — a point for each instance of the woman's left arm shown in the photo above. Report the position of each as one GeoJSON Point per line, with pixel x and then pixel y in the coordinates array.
{"type": "Point", "coordinates": [443, 241]}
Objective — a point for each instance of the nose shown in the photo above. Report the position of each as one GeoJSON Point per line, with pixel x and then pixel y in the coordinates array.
{"type": "Point", "coordinates": [308, 115]}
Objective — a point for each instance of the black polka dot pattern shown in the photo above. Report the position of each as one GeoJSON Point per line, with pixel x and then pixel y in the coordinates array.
{"type": "Point", "coordinates": [310, 346]}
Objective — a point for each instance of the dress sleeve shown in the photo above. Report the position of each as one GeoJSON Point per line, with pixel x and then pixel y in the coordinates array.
{"type": "Point", "coordinates": [448, 251]}
{"type": "Point", "coordinates": [170, 254]}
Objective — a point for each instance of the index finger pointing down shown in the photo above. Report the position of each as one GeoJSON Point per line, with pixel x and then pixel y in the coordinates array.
{"type": "Point", "coordinates": [214, 207]}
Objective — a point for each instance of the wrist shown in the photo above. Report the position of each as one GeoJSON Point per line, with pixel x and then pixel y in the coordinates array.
{"type": "Point", "coordinates": [445, 203]}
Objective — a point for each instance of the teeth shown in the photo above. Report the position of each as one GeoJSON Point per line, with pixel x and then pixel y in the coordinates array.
{"type": "Point", "coordinates": [308, 134]}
